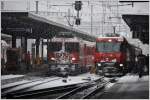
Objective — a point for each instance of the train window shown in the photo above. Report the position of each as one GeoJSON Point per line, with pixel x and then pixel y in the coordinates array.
{"type": "Point", "coordinates": [54, 46]}
{"type": "Point", "coordinates": [108, 47]}
{"type": "Point", "coordinates": [71, 47]}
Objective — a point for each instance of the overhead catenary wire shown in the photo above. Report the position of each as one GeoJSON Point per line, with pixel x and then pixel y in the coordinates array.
{"type": "Point", "coordinates": [107, 15]}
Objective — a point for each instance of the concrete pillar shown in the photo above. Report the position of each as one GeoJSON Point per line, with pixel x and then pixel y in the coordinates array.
{"type": "Point", "coordinates": [13, 41]}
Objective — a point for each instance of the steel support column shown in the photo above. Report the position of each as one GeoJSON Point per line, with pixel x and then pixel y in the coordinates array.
{"type": "Point", "coordinates": [25, 46]}
{"type": "Point", "coordinates": [42, 49]}
{"type": "Point", "coordinates": [13, 41]}
{"type": "Point", "coordinates": [47, 47]}
{"type": "Point", "coordinates": [37, 46]}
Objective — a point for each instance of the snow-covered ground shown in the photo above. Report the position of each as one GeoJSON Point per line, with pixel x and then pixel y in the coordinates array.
{"type": "Point", "coordinates": [4, 77]}
{"type": "Point", "coordinates": [49, 82]}
{"type": "Point", "coordinates": [70, 81]}
{"type": "Point", "coordinates": [25, 80]}
{"type": "Point", "coordinates": [31, 84]}
{"type": "Point", "coordinates": [14, 84]}
{"type": "Point", "coordinates": [46, 82]}
{"type": "Point", "coordinates": [17, 80]}
{"type": "Point", "coordinates": [133, 78]}
{"type": "Point", "coordinates": [129, 78]}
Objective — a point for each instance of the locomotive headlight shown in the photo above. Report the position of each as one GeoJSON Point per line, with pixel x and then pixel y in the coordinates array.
{"type": "Point", "coordinates": [121, 65]}
{"type": "Point", "coordinates": [114, 60]}
{"type": "Point", "coordinates": [110, 40]}
{"type": "Point", "coordinates": [73, 58]}
{"type": "Point", "coordinates": [52, 58]}
{"type": "Point", "coordinates": [98, 64]}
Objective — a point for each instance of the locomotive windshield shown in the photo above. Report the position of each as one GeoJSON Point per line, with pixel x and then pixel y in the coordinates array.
{"type": "Point", "coordinates": [108, 47]}
{"type": "Point", "coordinates": [54, 46]}
{"type": "Point", "coordinates": [71, 47]}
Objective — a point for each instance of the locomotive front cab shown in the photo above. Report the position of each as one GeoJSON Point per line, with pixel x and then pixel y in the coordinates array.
{"type": "Point", "coordinates": [110, 56]}
{"type": "Point", "coordinates": [72, 48]}
{"type": "Point", "coordinates": [63, 56]}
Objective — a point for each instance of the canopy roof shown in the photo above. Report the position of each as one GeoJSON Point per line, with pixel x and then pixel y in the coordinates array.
{"type": "Point", "coordinates": [139, 24]}
{"type": "Point", "coordinates": [33, 26]}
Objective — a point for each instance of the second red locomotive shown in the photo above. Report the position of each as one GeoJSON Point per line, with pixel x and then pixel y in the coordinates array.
{"type": "Point", "coordinates": [114, 55]}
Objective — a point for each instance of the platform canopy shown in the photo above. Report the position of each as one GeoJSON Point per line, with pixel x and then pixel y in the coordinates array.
{"type": "Point", "coordinates": [139, 25]}
{"type": "Point", "coordinates": [33, 26]}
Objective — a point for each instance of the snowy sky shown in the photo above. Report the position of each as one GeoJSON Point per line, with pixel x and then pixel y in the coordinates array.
{"type": "Point", "coordinates": [103, 10]}
{"type": "Point", "coordinates": [99, 8]}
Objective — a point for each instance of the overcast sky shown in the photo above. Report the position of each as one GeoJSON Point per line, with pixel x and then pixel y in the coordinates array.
{"type": "Point", "coordinates": [103, 13]}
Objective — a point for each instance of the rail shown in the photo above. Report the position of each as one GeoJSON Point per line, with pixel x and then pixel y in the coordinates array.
{"type": "Point", "coordinates": [38, 93]}
{"type": "Point", "coordinates": [60, 92]}
{"type": "Point", "coordinates": [8, 86]}
{"type": "Point", "coordinates": [99, 88]}
{"type": "Point", "coordinates": [83, 89]}
{"type": "Point", "coordinates": [10, 90]}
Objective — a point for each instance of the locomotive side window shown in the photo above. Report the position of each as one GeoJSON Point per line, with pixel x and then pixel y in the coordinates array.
{"type": "Point", "coordinates": [71, 47]}
{"type": "Point", "coordinates": [54, 46]}
{"type": "Point", "coordinates": [108, 46]}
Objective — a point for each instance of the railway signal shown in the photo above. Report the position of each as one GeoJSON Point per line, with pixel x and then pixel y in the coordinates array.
{"type": "Point", "coordinates": [77, 21]}
{"type": "Point", "coordinates": [78, 5]}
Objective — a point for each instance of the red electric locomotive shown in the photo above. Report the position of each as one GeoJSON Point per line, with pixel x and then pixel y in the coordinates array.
{"type": "Point", "coordinates": [114, 56]}
{"type": "Point", "coordinates": [70, 55]}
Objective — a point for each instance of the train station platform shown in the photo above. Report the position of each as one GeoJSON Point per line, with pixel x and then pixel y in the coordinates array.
{"type": "Point", "coordinates": [128, 87]}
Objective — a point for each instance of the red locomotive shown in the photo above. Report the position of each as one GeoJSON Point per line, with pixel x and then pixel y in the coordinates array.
{"type": "Point", "coordinates": [114, 55]}
{"type": "Point", "coordinates": [70, 55]}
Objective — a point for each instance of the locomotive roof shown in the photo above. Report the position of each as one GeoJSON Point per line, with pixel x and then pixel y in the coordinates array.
{"type": "Point", "coordinates": [60, 39]}
{"type": "Point", "coordinates": [89, 43]}
{"type": "Point", "coordinates": [123, 39]}
{"type": "Point", "coordinates": [110, 37]}
{"type": "Point", "coordinates": [74, 39]}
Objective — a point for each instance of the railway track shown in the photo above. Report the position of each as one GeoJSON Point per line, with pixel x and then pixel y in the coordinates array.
{"type": "Point", "coordinates": [15, 84]}
{"type": "Point", "coordinates": [85, 90]}
{"type": "Point", "coordinates": [41, 93]}
{"type": "Point", "coordinates": [74, 91]}
{"type": "Point", "coordinates": [17, 88]}
{"type": "Point", "coordinates": [95, 90]}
